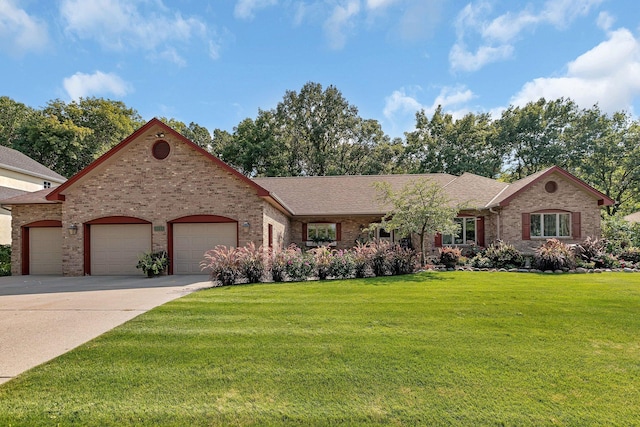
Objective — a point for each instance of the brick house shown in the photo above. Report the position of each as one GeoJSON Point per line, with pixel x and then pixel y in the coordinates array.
{"type": "Point", "coordinates": [158, 191]}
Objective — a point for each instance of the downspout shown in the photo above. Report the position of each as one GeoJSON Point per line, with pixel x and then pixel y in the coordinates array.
{"type": "Point", "coordinates": [493, 211]}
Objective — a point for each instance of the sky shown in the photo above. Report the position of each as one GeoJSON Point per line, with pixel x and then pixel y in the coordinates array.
{"type": "Point", "coordinates": [217, 62]}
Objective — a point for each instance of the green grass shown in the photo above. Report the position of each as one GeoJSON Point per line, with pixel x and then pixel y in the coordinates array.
{"type": "Point", "coordinates": [430, 349]}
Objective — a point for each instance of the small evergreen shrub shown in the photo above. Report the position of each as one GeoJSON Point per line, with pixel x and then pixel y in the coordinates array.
{"type": "Point", "coordinates": [449, 256]}
{"type": "Point", "coordinates": [223, 264]}
{"type": "Point", "coordinates": [503, 255]}
{"type": "Point", "coordinates": [5, 260]}
{"type": "Point", "coordinates": [251, 262]}
{"type": "Point", "coordinates": [554, 255]}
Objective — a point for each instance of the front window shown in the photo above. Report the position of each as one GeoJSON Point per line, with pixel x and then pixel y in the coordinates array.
{"type": "Point", "coordinates": [550, 225]}
{"type": "Point", "coordinates": [382, 234]}
{"type": "Point", "coordinates": [466, 233]}
{"type": "Point", "coordinates": [321, 232]}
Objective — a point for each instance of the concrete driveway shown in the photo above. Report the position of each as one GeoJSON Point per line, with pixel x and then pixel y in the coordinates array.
{"type": "Point", "coordinates": [42, 317]}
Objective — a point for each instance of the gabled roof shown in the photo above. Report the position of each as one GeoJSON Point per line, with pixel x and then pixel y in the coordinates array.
{"type": "Point", "coordinates": [29, 198]}
{"type": "Point", "coordinates": [6, 192]}
{"type": "Point", "coordinates": [514, 189]}
{"type": "Point", "coordinates": [58, 193]}
{"type": "Point", "coordinates": [19, 162]}
{"type": "Point", "coordinates": [338, 195]}
{"type": "Point", "coordinates": [634, 217]}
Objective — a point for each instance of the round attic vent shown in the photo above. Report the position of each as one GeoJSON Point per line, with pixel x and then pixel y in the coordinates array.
{"type": "Point", "coordinates": [161, 150]}
{"type": "Point", "coordinates": [551, 187]}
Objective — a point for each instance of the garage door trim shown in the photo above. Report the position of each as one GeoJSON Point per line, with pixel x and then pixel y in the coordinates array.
{"type": "Point", "coordinates": [25, 240]}
{"type": "Point", "coordinates": [200, 219]}
{"type": "Point", "coordinates": [102, 221]}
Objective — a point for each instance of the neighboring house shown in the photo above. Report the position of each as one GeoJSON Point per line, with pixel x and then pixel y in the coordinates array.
{"type": "Point", "coordinates": [158, 191]}
{"type": "Point", "coordinates": [20, 174]}
{"type": "Point", "coordinates": [633, 218]}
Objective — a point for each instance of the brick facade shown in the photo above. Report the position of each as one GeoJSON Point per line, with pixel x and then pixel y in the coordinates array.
{"type": "Point", "coordinates": [22, 215]}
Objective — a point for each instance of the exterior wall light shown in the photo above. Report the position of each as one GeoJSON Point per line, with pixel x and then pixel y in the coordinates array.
{"type": "Point", "coordinates": [73, 229]}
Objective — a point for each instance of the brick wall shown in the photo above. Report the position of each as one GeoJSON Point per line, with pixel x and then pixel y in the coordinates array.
{"type": "Point", "coordinates": [567, 197]}
{"type": "Point", "coordinates": [25, 214]}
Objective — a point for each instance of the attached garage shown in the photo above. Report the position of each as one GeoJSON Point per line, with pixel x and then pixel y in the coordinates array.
{"type": "Point", "coordinates": [114, 248]}
{"type": "Point", "coordinates": [45, 250]}
{"type": "Point", "coordinates": [192, 239]}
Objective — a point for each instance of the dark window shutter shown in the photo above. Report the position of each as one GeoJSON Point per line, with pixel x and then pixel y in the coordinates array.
{"type": "Point", "coordinates": [480, 231]}
{"type": "Point", "coordinates": [576, 225]}
{"type": "Point", "coordinates": [304, 232]}
{"type": "Point", "coordinates": [438, 240]}
{"type": "Point", "coordinates": [270, 236]}
{"type": "Point", "coordinates": [339, 231]}
{"type": "Point", "coordinates": [526, 226]}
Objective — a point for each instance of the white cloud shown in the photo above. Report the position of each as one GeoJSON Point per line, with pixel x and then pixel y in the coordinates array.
{"type": "Point", "coordinates": [400, 102]}
{"type": "Point", "coordinates": [81, 85]}
{"type": "Point", "coordinates": [608, 74]}
{"type": "Point", "coordinates": [497, 36]}
{"type": "Point", "coordinates": [339, 22]}
{"type": "Point", "coordinates": [379, 4]}
{"type": "Point", "coordinates": [245, 8]}
{"type": "Point", "coordinates": [131, 24]}
{"type": "Point", "coordinates": [605, 21]}
{"type": "Point", "coordinates": [20, 32]}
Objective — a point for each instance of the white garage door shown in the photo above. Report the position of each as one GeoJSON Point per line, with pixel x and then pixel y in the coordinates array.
{"type": "Point", "coordinates": [45, 250]}
{"type": "Point", "coordinates": [191, 241]}
{"type": "Point", "coordinates": [115, 248]}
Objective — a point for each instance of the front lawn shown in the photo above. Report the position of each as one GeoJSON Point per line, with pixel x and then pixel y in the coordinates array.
{"type": "Point", "coordinates": [458, 348]}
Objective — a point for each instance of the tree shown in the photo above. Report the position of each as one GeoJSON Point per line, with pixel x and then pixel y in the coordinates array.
{"type": "Point", "coordinates": [606, 152]}
{"type": "Point", "coordinates": [534, 135]}
{"type": "Point", "coordinates": [13, 115]}
{"type": "Point", "coordinates": [57, 144]}
{"type": "Point", "coordinates": [421, 207]}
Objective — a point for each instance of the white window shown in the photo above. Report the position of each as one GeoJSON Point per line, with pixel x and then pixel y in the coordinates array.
{"type": "Point", "coordinates": [550, 225]}
{"type": "Point", "coordinates": [47, 184]}
{"type": "Point", "coordinates": [321, 232]}
{"type": "Point", "coordinates": [466, 233]}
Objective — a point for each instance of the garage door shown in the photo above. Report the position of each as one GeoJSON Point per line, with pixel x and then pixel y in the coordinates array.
{"type": "Point", "coordinates": [45, 250]}
{"type": "Point", "coordinates": [191, 241]}
{"type": "Point", "coordinates": [115, 248]}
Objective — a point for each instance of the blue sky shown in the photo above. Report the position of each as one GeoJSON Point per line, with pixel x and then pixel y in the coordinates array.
{"type": "Point", "coordinates": [217, 62]}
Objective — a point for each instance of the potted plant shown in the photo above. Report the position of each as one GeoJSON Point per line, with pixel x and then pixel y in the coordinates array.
{"type": "Point", "coordinates": [153, 263]}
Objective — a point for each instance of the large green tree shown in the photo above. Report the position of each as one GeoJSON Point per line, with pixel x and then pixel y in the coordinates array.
{"type": "Point", "coordinates": [13, 115]}
{"type": "Point", "coordinates": [421, 207]}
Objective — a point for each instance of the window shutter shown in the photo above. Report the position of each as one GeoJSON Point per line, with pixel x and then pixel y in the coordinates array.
{"type": "Point", "coordinates": [339, 231]}
{"type": "Point", "coordinates": [270, 235]}
{"type": "Point", "coordinates": [526, 226]}
{"type": "Point", "coordinates": [480, 231]}
{"type": "Point", "coordinates": [576, 225]}
{"type": "Point", "coordinates": [438, 240]}
{"type": "Point", "coordinates": [304, 233]}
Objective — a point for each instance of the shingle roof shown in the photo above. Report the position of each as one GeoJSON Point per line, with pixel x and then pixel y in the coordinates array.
{"type": "Point", "coordinates": [6, 192]}
{"type": "Point", "coordinates": [338, 195]}
{"type": "Point", "coordinates": [634, 217]}
{"type": "Point", "coordinates": [17, 161]}
{"type": "Point", "coordinates": [29, 198]}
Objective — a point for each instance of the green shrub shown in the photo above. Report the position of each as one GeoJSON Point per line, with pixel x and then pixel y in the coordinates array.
{"type": "Point", "coordinates": [251, 262]}
{"type": "Point", "coordinates": [619, 234]}
{"type": "Point", "coordinates": [5, 260]}
{"type": "Point", "coordinates": [223, 264]}
{"type": "Point", "coordinates": [322, 256]}
{"type": "Point", "coordinates": [153, 263]}
{"type": "Point", "coordinates": [300, 265]}
{"type": "Point", "coordinates": [449, 256]}
{"type": "Point", "coordinates": [480, 261]}
{"type": "Point", "coordinates": [554, 255]}
{"type": "Point", "coordinates": [503, 255]}
{"type": "Point", "coordinates": [343, 264]}
{"type": "Point", "coordinates": [631, 254]}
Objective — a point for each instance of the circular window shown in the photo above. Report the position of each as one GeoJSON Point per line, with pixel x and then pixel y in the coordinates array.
{"type": "Point", "coordinates": [161, 150]}
{"type": "Point", "coordinates": [551, 187]}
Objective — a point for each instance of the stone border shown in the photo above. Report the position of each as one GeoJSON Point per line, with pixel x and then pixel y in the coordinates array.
{"type": "Point", "coordinates": [579, 270]}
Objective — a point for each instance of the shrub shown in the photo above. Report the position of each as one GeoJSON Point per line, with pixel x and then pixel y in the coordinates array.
{"type": "Point", "coordinates": [503, 255]}
{"type": "Point", "coordinates": [5, 260]}
{"type": "Point", "coordinates": [480, 261]}
{"type": "Point", "coordinates": [300, 266]}
{"type": "Point", "coordinates": [251, 262]}
{"type": "Point", "coordinates": [553, 255]}
{"type": "Point", "coordinates": [278, 264]}
{"type": "Point", "coordinates": [223, 264]}
{"type": "Point", "coordinates": [380, 257]}
{"type": "Point", "coordinates": [631, 254]}
{"type": "Point", "coordinates": [362, 254]}
{"type": "Point", "coordinates": [343, 264]}
{"type": "Point", "coordinates": [449, 256]}
{"type": "Point", "coordinates": [592, 251]}
{"type": "Point", "coordinates": [402, 260]}
{"type": "Point", "coordinates": [322, 259]}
